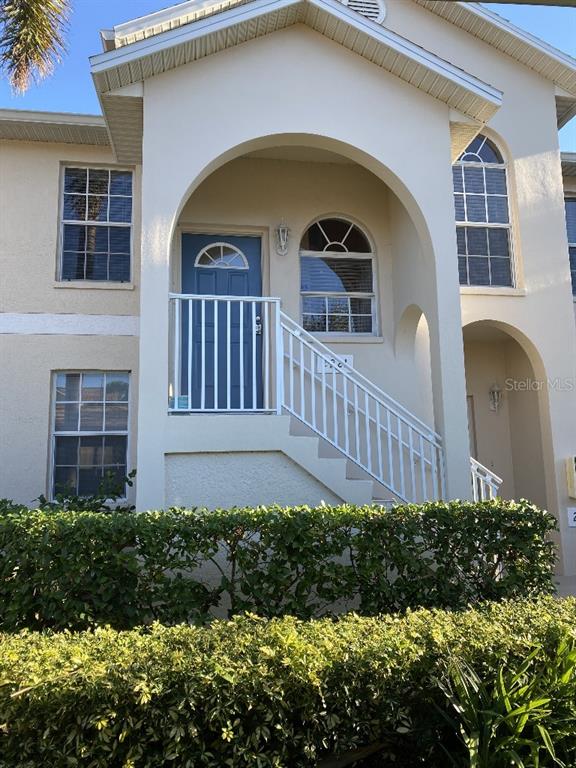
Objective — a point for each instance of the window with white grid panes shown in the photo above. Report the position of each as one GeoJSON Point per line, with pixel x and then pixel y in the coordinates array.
{"type": "Point", "coordinates": [482, 216]}
{"type": "Point", "coordinates": [570, 206]}
{"type": "Point", "coordinates": [96, 227]}
{"type": "Point", "coordinates": [89, 431]}
{"type": "Point", "coordinates": [337, 281]}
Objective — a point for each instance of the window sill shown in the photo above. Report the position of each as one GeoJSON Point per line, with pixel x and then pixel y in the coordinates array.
{"type": "Point", "coordinates": [89, 285]}
{"type": "Point", "coordinates": [330, 338]}
{"type": "Point", "coordinates": [486, 290]}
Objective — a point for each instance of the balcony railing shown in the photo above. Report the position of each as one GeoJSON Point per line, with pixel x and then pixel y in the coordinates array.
{"type": "Point", "coordinates": [224, 357]}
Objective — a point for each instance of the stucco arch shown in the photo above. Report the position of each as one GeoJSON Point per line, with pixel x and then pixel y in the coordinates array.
{"type": "Point", "coordinates": [518, 335]}
{"type": "Point", "coordinates": [502, 347]}
{"type": "Point", "coordinates": [406, 329]}
{"type": "Point", "coordinates": [313, 140]}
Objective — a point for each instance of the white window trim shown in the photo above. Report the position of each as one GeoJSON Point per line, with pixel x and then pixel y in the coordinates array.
{"type": "Point", "coordinates": [373, 295]}
{"type": "Point", "coordinates": [87, 283]}
{"type": "Point", "coordinates": [53, 434]}
{"type": "Point", "coordinates": [490, 225]}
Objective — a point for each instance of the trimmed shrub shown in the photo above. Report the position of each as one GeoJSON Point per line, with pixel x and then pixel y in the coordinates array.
{"type": "Point", "coordinates": [253, 693]}
{"type": "Point", "coordinates": [80, 569]}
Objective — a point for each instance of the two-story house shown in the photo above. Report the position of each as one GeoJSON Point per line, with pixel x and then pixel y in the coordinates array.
{"type": "Point", "coordinates": [312, 250]}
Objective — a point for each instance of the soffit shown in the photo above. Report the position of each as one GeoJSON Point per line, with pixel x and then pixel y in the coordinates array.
{"type": "Point", "coordinates": [53, 127]}
{"type": "Point", "coordinates": [547, 61]}
{"type": "Point", "coordinates": [569, 164]}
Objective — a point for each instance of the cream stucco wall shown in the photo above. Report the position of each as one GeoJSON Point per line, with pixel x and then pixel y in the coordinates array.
{"type": "Point", "coordinates": [30, 179]}
{"type": "Point", "coordinates": [224, 85]}
{"type": "Point", "coordinates": [27, 363]}
{"type": "Point", "coordinates": [259, 478]}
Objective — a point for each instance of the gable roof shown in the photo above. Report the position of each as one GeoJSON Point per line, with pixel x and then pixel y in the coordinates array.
{"type": "Point", "coordinates": [543, 58]}
{"type": "Point", "coordinates": [164, 41]}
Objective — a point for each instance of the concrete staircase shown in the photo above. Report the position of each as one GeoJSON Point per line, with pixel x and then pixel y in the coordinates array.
{"type": "Point", "coordinates": [331, 468]}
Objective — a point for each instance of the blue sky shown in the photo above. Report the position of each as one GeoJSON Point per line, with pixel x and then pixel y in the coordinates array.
{"type": "Point", "coordinates": [70, 89]}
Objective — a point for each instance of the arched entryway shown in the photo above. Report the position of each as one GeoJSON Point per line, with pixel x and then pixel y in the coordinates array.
{"type": "Point", "coordinates": [507, 400]}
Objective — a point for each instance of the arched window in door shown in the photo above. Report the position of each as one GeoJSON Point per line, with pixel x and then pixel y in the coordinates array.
{"type": "Point", "coordinates": [221, 256]}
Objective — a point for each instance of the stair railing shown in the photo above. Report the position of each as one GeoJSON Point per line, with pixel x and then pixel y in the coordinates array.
{"type": "Point", "coordinates": [370, 428]}
{"type": "Point", "coordinates": [485, 484]}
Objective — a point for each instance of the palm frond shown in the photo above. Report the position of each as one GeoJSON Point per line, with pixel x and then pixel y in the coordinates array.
{"type": "Point", "coordinates": [32, 38]}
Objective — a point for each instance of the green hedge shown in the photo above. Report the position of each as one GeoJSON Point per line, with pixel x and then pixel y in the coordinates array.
{"type": "Point", "coordinates": [79, 570]}
{"type": "Point", "coordinates": [252, 693]}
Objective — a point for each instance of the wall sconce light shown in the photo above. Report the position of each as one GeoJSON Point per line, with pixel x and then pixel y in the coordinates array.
{"type": "Point", "coordinates": [282, 234]}
{"type": "Point", "coordinates": [495, 396]}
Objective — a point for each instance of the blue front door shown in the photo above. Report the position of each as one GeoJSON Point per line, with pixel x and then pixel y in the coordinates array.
{"type": "Point", "coordinates": [226, 359]}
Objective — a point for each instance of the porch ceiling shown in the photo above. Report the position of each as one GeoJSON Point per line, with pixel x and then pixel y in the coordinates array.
{"type": "Point", "coordinates": [242, 21]}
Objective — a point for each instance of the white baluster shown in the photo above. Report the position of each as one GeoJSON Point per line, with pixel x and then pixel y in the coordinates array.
{"type": "Point", "coordinates": [216, 341]}
{"type": "Point", "coordinates": [203, 348]}
{"type": "Point", "coordinates": [228, 354]}
{"type": "Point", "coordinates": [368, 435]}
{"type": "Point", "coordinates": [241, 315]}
{"type": "Point", "coordinates": [177, 352]}
{"type": "Point", "coordinates": [190, 304]}
{"type": "Point", "coordinates": [266, 353]}
{"type": "Point", "coordinates": [254, 335]}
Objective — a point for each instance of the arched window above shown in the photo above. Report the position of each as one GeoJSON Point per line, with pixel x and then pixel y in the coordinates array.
{"type": "Point", "coordinates": [221, 256]}
{"type": "Point", "coordinates": [336, 235]}
{"type": "Point", "coordinates": [337, 278]}
{"type": "Point", "coordinates": [481, 150]}
{"type": "Point", "coordinates": [482, 215]}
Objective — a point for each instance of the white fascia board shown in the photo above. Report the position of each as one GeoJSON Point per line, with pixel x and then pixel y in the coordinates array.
{"type": "Point", "coordinates": [187, 32]}
{"type": "Point", "coordinates": [521, 34]}
{"type": "Point", "coordinates": [160, 17]}
{"type": "Point", "coordinates": [219, 22]}
{"type": "Point", "coordinates": [51, 118]}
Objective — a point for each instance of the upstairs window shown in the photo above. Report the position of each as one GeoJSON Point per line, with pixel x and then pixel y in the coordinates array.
{"type": "Point", "coordinates": [571, 226]}
{"type": "Point", "coordinates": [337, 279]}
{"type": "Point", "coordinates": [482, 216]}
{"type": "Point", "coordinates": [96, 225]}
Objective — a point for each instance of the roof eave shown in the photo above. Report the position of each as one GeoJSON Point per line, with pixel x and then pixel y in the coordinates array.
{"type": "Point", "coordinates": [53, 127]}
{"type": "Point", "coordinates": [549, 62]}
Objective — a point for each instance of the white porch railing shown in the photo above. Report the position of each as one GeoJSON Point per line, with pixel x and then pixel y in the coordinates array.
{"type": "Point", "coordinates": [370, 428]}
{"type": "Point", "coordinates": [242, 353]}
{"type": "Point", "coordinates": [223, 356]}
{"type": "Point", "coordinates": [485, 483]}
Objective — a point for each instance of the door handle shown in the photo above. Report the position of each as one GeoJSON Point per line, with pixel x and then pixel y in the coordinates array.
{"type": "Point", "coordinates": [258, 326]}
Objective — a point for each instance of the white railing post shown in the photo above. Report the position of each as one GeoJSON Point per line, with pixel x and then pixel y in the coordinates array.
{"type": "Point", "coordinates": [279, 334]}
